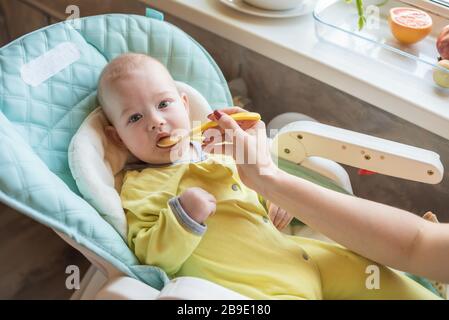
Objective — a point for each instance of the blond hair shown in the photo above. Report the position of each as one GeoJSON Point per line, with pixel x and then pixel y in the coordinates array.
{"type": "Point", "coordinates": [119, 67]}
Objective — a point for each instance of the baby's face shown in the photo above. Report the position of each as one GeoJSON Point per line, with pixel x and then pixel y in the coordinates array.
{"type": "Point", "coordinates": [145, 107]}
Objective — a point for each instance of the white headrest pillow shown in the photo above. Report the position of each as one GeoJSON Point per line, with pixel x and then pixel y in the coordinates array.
{"type": "Point", "coordinates": [96, 163]}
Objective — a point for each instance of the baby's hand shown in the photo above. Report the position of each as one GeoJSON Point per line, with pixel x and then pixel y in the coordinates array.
{"type": "Point", "coordinates": [198, 204]}
{"type": "Point", "coordinates": [279, 216]}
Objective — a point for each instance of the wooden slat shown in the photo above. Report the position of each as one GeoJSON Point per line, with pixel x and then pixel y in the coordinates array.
{"type": "Point", "coordinates": [45, 9]}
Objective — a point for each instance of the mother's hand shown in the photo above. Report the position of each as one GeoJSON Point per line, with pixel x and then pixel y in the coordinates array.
{"type": "Point", "coordinates": [245, 141]}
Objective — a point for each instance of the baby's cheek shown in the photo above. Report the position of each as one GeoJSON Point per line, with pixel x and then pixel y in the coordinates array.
{"type": "Point", "coordinates": [140, 148]}
{"type": "Point", "coordinates": [180, 120]}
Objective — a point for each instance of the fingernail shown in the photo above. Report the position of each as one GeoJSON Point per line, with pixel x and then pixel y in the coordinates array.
{"type": "Point", "coordinates": [210, 115]}
{"type": "Point", "coordinates": [217, 114]}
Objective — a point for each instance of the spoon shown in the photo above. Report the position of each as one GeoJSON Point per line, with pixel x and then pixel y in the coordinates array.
{"type": "Point", "coordinates": [170, 141]}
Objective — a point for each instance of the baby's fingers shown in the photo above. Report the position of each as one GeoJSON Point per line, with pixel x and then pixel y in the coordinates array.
{"type": "Point", "coordinates": [430, 217]}
{"type": "Point", "coordinates": [279, 217]}
{"type": "Point", "coordinates": [285, 221]}
{"type": "Point", "coordinates": [212, 207]}
{"type": "Point", "coordinates": [273, 212]}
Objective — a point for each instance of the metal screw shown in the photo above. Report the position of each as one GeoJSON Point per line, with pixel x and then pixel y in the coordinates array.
{"type": "Point", "coordinates": [287, 150]}
{"type": "Point", "coordinates": [367, 157]}
{"type": "Point", "coordinates": [299, 136]}
{"type": "Point", "coordinates": [430, 172]}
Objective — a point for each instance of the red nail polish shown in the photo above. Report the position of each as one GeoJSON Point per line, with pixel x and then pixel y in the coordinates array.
{"type": "Point", "coordinates": [217, 114]}
{"type": "Point", "coordinates": [364, 172]}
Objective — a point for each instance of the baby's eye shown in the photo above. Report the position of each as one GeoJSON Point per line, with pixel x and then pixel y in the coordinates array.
{"type": "Point", "coordinates": [134, 118]}
{"type": "Point", "coordinates": [164, 104]}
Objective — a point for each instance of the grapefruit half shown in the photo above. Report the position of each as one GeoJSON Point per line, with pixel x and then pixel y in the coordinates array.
{"type": "Point", "coordinates": [409, 25]}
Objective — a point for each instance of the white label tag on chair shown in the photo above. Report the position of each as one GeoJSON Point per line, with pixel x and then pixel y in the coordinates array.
{"type": "Point", "coordinates": [49, 64]}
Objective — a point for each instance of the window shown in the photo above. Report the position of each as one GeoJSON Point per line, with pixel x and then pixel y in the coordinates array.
{"type": "Point", "coordinates": [440, 7]}
{"type": "Point", "coordinates": [442, 2]}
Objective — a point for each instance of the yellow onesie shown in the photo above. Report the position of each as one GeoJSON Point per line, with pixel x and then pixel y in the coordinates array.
{"type": "Point", "coordinates": [239, 247]}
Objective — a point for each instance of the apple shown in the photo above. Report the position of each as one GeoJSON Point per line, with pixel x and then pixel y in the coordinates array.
{"type": "Point", "coordinates": [443, 43]}
{"type": "Point", "coordinates": [441, 77]}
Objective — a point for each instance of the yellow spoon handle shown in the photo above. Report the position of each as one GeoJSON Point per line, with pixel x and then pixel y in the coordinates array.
{"type": "Point", "coordinates": [197, 132]}
{"type": "Point", "coordinates": [241, 116]}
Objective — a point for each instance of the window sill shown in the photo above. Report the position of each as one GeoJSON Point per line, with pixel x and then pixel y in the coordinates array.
{"type": "Point", "coordinates": [293, 42]}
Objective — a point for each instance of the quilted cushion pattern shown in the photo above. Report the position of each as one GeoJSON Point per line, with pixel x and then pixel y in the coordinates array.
{"type": "Point", "coordinates": [187, 61]}
{"type": "Point", "coordinates": [28, 186]}
{"type": "Point", "coordinates": [47, 116]}
{"type": "Point", "coordinates": [37, 123]}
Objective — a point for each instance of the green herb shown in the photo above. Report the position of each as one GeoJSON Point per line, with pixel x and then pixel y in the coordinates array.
{"type": "Point", "coordinates": [361, 11]}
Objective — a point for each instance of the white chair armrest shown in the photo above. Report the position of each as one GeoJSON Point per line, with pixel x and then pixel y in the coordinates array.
{"type": "Point", "coordinates": [190, 288]}
{"type": "Point", "coordinates": [300, 140]}
{"type": "Point", "coordinates": [126, 288]}
{"type": "Point", "coordinates": [325, 167]}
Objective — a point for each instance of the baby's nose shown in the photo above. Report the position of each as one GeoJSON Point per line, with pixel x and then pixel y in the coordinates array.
{"type": "Point", "coordinates": [157, 126]}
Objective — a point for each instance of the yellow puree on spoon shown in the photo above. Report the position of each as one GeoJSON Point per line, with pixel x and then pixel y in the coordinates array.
{"type": "Point", "coordinates": [241, 116]}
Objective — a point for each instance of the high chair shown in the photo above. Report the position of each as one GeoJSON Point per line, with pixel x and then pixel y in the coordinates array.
{"type": "Point", "coordinates": [55, 160]}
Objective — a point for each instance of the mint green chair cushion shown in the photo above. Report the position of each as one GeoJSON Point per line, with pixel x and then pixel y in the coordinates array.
{"type": "Point", "coordinates": [37, 123]}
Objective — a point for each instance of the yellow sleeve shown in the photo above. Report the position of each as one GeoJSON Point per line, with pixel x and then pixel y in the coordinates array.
{"type": "Point", "coordinates": [156, 234]}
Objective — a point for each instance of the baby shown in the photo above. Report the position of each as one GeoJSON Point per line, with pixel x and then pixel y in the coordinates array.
{"type": "Point", "coordinates": [190, 214]}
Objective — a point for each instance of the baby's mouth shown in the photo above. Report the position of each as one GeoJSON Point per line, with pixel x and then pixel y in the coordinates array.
{"type": "Point", "coordinates": [167, 141]}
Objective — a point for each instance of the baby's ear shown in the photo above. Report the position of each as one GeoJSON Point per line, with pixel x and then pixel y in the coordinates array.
{"type": "Point", "coordinates": [112, 134]}
{"type": "Point", "coordinates": [185, 101]}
